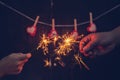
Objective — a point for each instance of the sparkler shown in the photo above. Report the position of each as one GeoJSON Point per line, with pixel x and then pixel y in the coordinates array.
{"type": "Point", "coordinates": [44, 43]}
{"type": "Point", "coordinates": [66, 45]}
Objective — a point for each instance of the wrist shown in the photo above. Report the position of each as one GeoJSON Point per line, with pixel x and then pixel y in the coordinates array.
{"type": "Point", "coordinates": [1, 70]}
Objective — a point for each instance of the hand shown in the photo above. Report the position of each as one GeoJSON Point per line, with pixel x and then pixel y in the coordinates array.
{"type": "Point", "coordinates": [97, 44]}
{"type": "Point", "coordinates": [13, 63]}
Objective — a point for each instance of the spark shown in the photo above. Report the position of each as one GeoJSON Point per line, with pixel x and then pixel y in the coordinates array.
{"type": "Point", "coordinates": [47, 63]}
{"type": "Point", "coordinates": [55, 39]}
{"type": "Point", "coordinates": [44, 43]}
{"type": "Point", "coordinates": [59, 60]}
{"type": "Point", "coordinates": [66, 45]}
{"type": "Point", "coordinates": [79, 60]}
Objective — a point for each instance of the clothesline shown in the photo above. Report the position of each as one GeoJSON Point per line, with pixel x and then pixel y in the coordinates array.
{"type": "Point", "coordinates": [70, 25]}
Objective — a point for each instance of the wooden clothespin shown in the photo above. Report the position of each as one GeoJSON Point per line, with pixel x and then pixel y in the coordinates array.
{"type": "Point", "coordinates": [74, 34]}
{"type": "Point", "coordinates": [75, 24]}
{"type": "Point", "coordinates": [53, 32]}
{"type": "Point", "coordinates": [92, 26]}
{"type": "Point", "coordinates": [53, 24]}
{"type": "Point", "coordinates": [36, 21]}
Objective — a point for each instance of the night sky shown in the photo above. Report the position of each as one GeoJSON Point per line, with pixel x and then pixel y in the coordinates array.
{"type": "Point", "coordinates": [14, 37]}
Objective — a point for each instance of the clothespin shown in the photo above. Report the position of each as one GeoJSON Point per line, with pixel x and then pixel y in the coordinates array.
{"type": "Point", "coordinates": [74, 34]}
{"type": "Point", "coordinates": [53, 32]}
{"type": "Point", "coordinates": [32, 30]}
{"type": "Point", "coordinates": [92, 26]}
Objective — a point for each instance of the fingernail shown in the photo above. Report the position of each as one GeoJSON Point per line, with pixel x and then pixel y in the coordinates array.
{"type": "Point", "coordinates": [28, 55]}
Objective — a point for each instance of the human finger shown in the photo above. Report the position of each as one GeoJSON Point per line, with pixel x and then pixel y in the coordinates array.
{"type": "Point", "coordinates": [83, 42]}
{"type": "Point", "coordinates": [24, 56]}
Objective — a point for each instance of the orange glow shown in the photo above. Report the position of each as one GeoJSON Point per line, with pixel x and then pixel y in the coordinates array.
{"type": "Point", "coordinates": [66, 45]}
{"type": "Point", "coordinates": [47, 63]}
{"type": "Point", "coordinates": [44, 44]}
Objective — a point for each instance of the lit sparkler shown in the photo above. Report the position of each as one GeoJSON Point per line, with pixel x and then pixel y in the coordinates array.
{"type": "Point", "coordinates": [45, 41]}
{"type": "Point", "coordinates": [66, 45]}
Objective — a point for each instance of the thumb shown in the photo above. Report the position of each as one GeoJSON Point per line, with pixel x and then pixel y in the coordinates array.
{"type": "Point", "coordinates": [28, 55]}
{"type": "Point", "coordinates": [24, 56]}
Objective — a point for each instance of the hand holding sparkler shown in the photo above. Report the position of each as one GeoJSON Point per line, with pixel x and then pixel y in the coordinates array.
{"type": "Point", "coordinates": [13, 63]}
{"type": "Point", "coordinates": [97, 44]}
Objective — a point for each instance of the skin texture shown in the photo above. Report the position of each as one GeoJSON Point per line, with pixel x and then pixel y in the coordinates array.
{"type": "Point", "coordinates": [13, 63]}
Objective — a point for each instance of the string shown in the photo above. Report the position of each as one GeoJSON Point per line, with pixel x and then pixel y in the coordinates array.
{"type": "Point", "coordinates": [22, 14]}
{"type": "Point", "coordinates": [70, 25]}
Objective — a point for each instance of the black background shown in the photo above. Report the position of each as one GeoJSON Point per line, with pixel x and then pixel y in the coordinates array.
{"type": "Point", "coordinates": [13, 37]}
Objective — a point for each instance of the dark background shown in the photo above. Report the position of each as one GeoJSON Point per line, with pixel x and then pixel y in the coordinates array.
{"type": "Point", "coordinates": [14, 38]}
